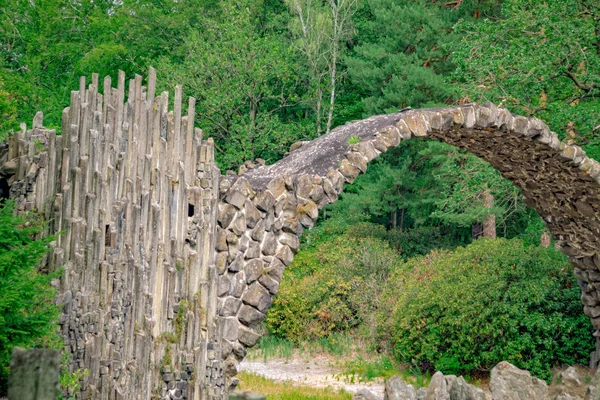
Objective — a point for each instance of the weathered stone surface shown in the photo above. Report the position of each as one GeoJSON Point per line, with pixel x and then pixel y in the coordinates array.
{"type": "Point", "coordinates": [276, 187]}
{"type": "Point", "coordinates": [253, 250]}
{"type": "Point", "coordinates": [230, 328]}
{"type": "Point", "coordinates": [224, 285]}
{"type": "Point", "coordinates": [290, 240]}
{"type": "Point", "coordinates": [230, 307]}
{"type": "Point", "coordinates": [269, 283]}
{"type": "Point", "coordinates": [269, 244]}
{"type": "Point", "coordinates": [257, 296]}
{"type": "Point", "coordinates": [254, 269]}
{"type": "Point", "coordinates": [252, 214]}
{"type": "Point", "coordinates": [250, 316]}
{"type": "Point", "coordinates": [307, 213]}
{"type": "Point", "coordinates": [237, 264]}
{"type": "Point", "coordinates": [571, 384]}
{"type": "Point", "coordinates": [349, 171]}
{"type": "Point", "coordinates": [397, 389]}
{"type": "Point", "coordinates": [247, 336]}
{"type": "Point", "coordinates": [264, 200]}
{"type": "Point", "coordinates": [226, 214]}
{"type": "Point", "coordinates": [438, 389]}
{"type": "Point", "coordinates": [285, 254]}
{"type": "Point", "coordinates": [507, 382]}
{"type": "Point", "coordinates": [276, 268]}
{"type": "Point", "coordinates": [34, 374]}
{"type": "Point", "coordinates": [238, 284]}
{"type": "Point", "coordinates": [461, 390]}
{"type": "Point", "coordinates": [358, 161]}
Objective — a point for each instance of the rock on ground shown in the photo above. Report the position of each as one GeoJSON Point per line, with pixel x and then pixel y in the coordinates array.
{"type": "Point", "coordinates": [511, 383]}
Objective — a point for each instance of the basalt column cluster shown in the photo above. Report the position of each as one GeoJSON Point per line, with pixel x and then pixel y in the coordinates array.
{"type": "Point", "coordinates": [130, 192]}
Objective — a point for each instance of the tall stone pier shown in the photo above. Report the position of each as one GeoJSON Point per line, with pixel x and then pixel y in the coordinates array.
{"type": "Point", "coordinates": [169, 267]}
{"type": "Point", "coordinates": [130, 189]}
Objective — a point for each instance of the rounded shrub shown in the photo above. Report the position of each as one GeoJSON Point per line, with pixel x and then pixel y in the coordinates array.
{"type": "Point", "coordinates": [464, 311]}
{"type": "Point", "coordinates": [332, 286]}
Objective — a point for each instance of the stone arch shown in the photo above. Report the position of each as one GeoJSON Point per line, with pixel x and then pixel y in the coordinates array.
{"type": "Point", "coordinates": [263, 212]}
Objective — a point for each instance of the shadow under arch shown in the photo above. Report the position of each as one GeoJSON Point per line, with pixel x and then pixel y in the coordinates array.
{"type": "Point", "coordinates": [262, 213]}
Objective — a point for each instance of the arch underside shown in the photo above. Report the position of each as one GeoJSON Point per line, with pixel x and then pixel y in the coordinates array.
{"type": "Point", "coordinates": [263, 212]}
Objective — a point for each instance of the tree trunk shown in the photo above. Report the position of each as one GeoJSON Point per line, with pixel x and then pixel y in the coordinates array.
{"type": "Point", "coordinates": [333, 76]}
{"type": "Point", "coordinates": [393, 218]}
{"type": "Point", "coordinates": [476, 230]}
{"type": "Point", "coordinates": [489, 224]}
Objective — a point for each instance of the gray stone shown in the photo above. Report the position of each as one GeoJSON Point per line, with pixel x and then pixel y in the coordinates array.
{"type": "Point", "coordinates": [254, 269]}
{"type": "Point", "coordinates": [230, 307]}
{"type": "Point", "coordinates": [303, 186]}
{"type": "Point", "coordinates": [235, 198]}
{"type": "Point", "coordinates": [271, 284]}
{"type": "Point", "coordinates": [264, 200]}
{"type": "Point", "coordinates": [257, 296]}
{"type": "Point", "coordinates": [250, 316]}
{"type": "Point", "coordinates": [461, 390]}
{"type": "Point", "coordinates": [269, 244]}
{"type": "Point", "coordinates": [224, 285]}
{"type": "Point", "coordinates": [275, 269]}
{"type": "Point", "coordinates": [252, 214]}
{"type": "Point", "coordinates": [253, 250]}
{"type": "Point", "coordinates": [238, 284]}
{"type": "Point", "coordinates": [230, 328]}
{"type": "Point", "coordinates": [247, 336]}
{"type": "Point", "coordinates": [290, 240]}
{"type": "Point", "coordinates": [237, 264]}
{"type": "Point", "coordinates": [510, 383]}
{"type": "Point", "coordinates": [397, 389]}
{"type": "Point", "coordinates": [438, 389]}
{"type": "Point", "coordinates": [357, 160]}
{"type": "Point", "coordinates": [226, 214]}
{"type": "Point", "coordinates": [285, 254]}
{"type": "Point", "coordinates": [349, 171]}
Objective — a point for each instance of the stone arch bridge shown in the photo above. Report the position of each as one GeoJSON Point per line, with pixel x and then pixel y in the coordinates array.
{"type": "Point", "coordinates": [169, 266]}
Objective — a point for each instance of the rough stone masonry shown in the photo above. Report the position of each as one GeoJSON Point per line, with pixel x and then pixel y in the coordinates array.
{"type": "Point", "coordinates": [170, 266]}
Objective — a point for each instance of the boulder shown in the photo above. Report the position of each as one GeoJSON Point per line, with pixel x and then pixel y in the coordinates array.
{"type": "Point", "coordinates": [397, 389]}
{"type": "Point", "coordinates": [461, 390]}
{"type": "Point", "coordinates": [438, 388]}
{"type": "Point", "coordinates": [511, 383]}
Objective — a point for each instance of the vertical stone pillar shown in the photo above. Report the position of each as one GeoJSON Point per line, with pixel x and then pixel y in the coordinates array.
{"type": "Point", "coordinates": [34, 374]}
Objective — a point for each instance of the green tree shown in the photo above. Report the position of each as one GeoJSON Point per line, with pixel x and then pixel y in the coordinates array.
{"type": "Point", "coordinates": [28, 315]}
{"type": "Point", "coordinates": [246, 85]}
{"type": "Point", "coordinates": [540, 59]}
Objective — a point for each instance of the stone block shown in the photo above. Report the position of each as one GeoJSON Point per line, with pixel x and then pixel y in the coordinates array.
{"type": "Point", "coordinates": [258, 297]}
{"type": "Point", "coordinates": [250, 316]}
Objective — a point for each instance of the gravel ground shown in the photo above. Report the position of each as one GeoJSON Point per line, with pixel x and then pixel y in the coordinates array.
{"type": "Point", "coordinates": [317, 372]}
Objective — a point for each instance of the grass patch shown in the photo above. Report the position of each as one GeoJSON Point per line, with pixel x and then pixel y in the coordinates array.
{"type": "Point", "coordinates": [287, 391]}
{"type": "Point", "coordinates": [337, 345]}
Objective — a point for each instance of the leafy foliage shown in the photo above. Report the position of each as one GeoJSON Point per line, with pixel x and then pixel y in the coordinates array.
{"type": "Point", "coordinates": [540, 59]}
{"type": "Point", "coordinates": [331, 287]}
{"type": "Point", "coordinates": [28, 316]}
{"type": "Point", "coordinates": [462, 312]}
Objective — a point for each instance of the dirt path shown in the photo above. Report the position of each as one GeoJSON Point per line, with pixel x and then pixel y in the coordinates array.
{"type": "Point", "coordinates": [316, 372]}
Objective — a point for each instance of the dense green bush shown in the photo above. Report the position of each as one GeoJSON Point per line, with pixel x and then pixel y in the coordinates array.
{"type": "Point", "coordinates": [462, 312]}
{"type": "Point", "coordinates": [28, 316]}
{"type": "Point", "coordinates": [332, 285]}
